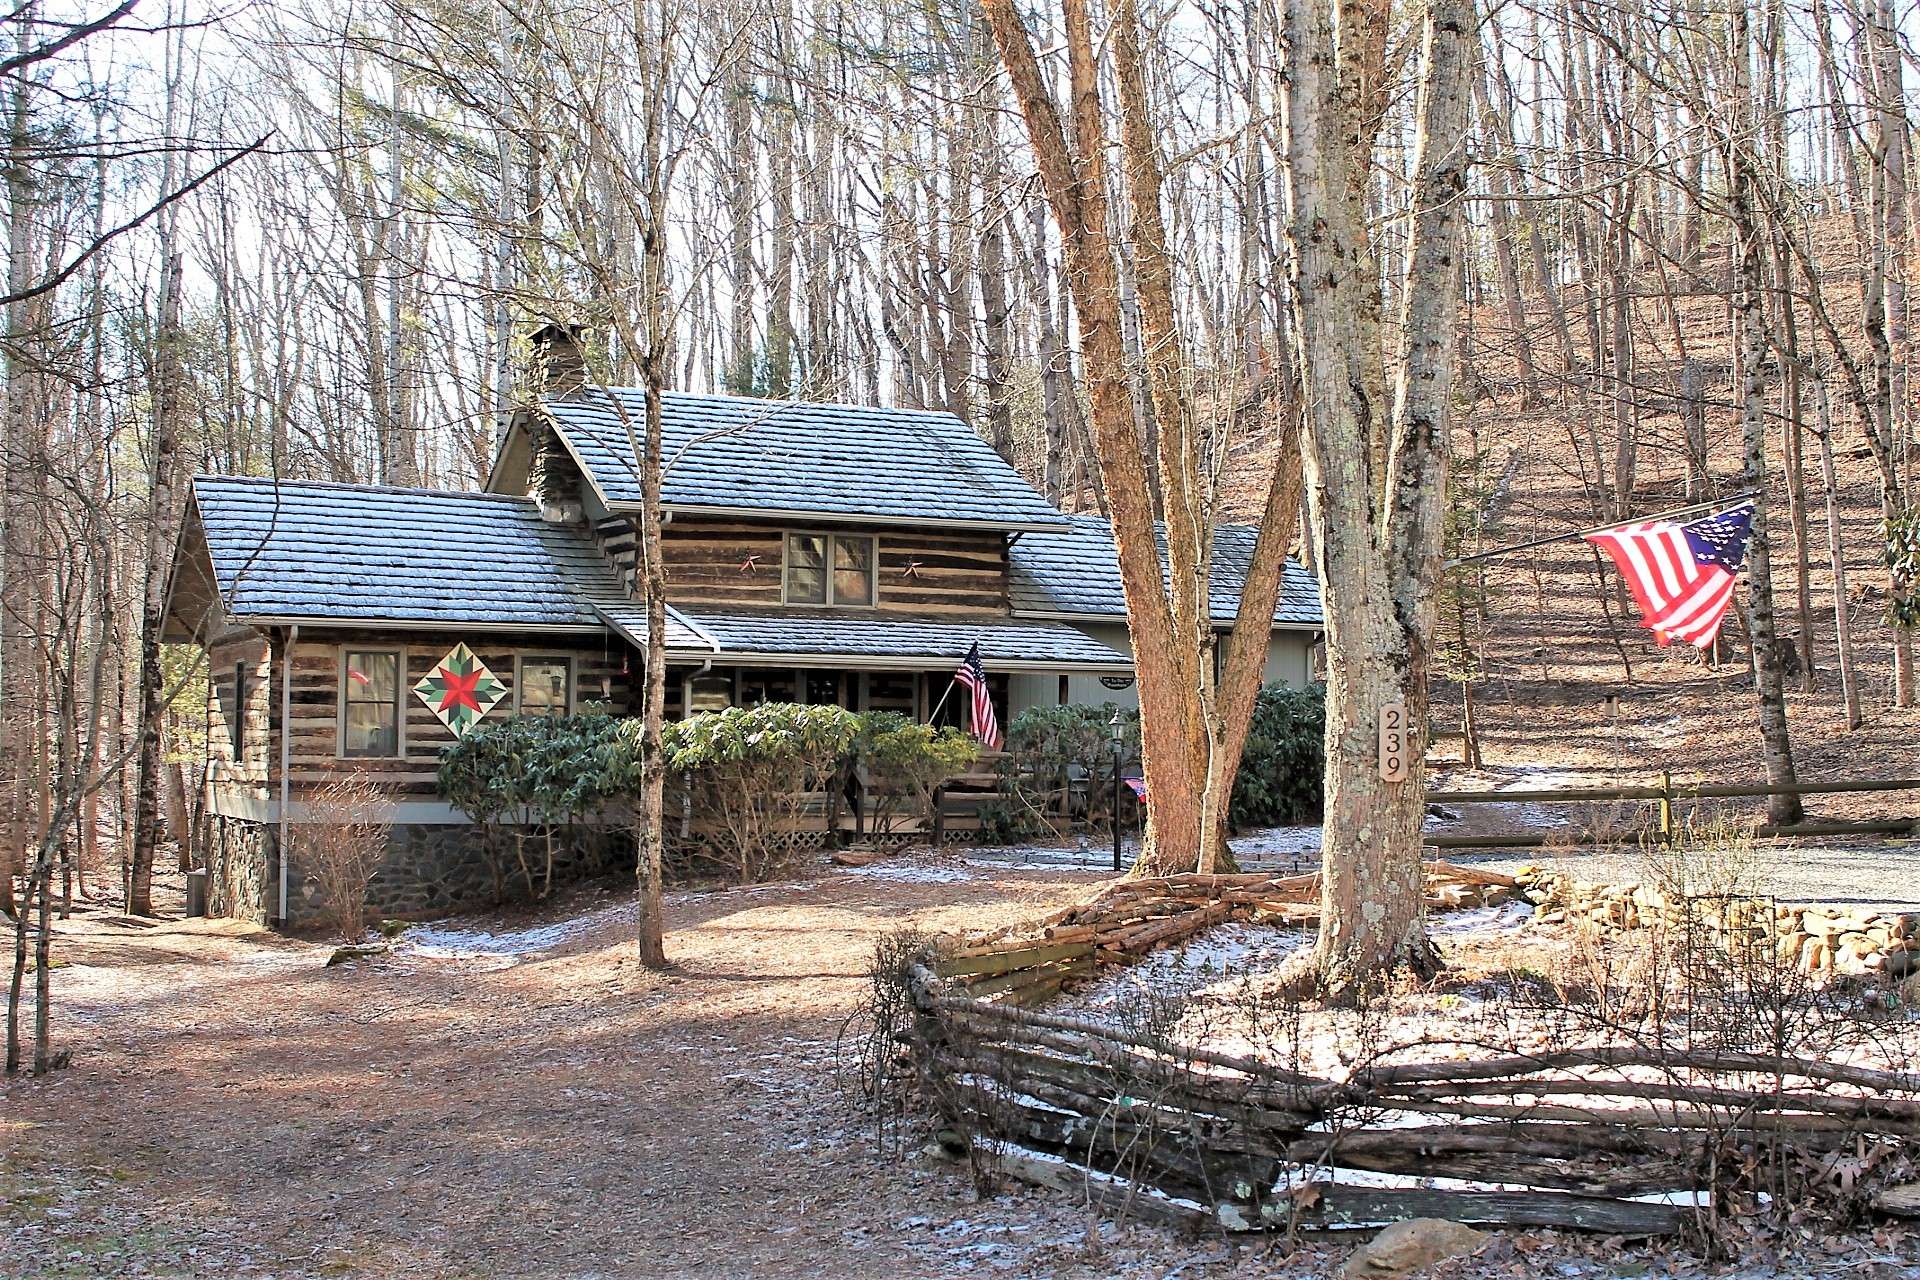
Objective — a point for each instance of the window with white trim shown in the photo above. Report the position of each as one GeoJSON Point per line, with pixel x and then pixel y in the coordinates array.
{"type": "Point", "coordinates": [370, 702]}
{"type": "Point", "coordinates": [830, 568]}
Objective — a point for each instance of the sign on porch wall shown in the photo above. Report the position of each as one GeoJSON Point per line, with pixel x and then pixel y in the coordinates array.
{"type": "Point", "coordinates": [460, 689]}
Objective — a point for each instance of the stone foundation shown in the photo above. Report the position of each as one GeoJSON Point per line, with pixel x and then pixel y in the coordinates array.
{"type": "Point", "coordinates": [429, 869]}
{"type": "Point", "coordinates": [1819, 941]}
{"type": "Point", "coordinates": [242, 870]}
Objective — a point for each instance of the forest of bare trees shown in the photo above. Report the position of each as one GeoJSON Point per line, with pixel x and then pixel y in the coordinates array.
{"type": "Point", "coordinates": [311, 243]}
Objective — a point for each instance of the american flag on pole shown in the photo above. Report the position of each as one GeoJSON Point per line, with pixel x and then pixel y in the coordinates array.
{"type": "Point", "coordinates": [981, 722]}
{"type": "Point", "coordinates": [1681, 575]}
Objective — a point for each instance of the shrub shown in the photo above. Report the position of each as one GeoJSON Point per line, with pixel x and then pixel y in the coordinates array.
{"type": "Point", "coordinates": [1283, 771]}
{"type": "Point", "coordinates": [535, 773]}
{"type": "Point", "coordinates": [1060, 764]}
{"type": "Point", "coordinates": [905, 763]}
{"type": "Point", "coordinates": [1058, 770]}
{"type": "Point", "coordinates": [341, 845]}
{"type": "Point", "coordinates": [751, 775]}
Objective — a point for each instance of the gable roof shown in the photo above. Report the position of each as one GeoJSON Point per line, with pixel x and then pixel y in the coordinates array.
{"type": "Point", "coordinates": [311, 551]}
{"type": "Point", "coordinates": [1075, 573]}
{"type": "Point", "coordinates": [773, 458]}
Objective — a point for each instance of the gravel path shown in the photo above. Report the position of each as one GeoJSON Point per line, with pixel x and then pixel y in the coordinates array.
{"type": "Point", "coordinates": [1880, 875]}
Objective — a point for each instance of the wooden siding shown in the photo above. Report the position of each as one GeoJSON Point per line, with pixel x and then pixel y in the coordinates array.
{"type": "Point", "coordinates": [615, 538]}
{"type": "Point", "coordinates": [246, 771]}
{"type": "Point", "coordinates": [315, 753]}
{"type": "Point", "coordinates": [721, 562]}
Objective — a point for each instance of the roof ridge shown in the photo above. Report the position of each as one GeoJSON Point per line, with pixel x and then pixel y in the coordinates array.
{"type": "Point", "coordinates": [283, 482]}
{"type": "Point", "coordinates": [763, 400]}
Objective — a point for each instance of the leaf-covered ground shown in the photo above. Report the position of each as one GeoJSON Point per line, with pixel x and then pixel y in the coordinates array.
{"type": "Point", "coordinates": [513, 1096]}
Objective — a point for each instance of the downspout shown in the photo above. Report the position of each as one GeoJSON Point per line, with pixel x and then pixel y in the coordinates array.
{"type": "Point", "coordinates": [286, 755]}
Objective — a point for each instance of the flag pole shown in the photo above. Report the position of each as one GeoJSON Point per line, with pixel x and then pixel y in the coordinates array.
{"type": "Point", "coordinates": [951, 681]}
{"type": "Point", "coordinates": [935, 713]}
{"type": "Point", "coordinates": [1728, 500]}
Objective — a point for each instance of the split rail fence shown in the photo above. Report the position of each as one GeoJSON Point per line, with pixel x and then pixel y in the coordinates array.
{"type": "Point", "coordinates": [1666, 796]}
{"type": "Point", "coordinates": [1630, 1140]}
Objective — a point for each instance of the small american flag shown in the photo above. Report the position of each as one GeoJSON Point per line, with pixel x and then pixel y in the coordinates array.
{"type": "Point", "coordinates": [1681, 575]}
{"type": "Point", "coordinates": [981, 722]}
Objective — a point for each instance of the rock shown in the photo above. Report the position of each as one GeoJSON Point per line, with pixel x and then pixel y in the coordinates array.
{"type": "Point", "coordinates": [855, 857]}
{"type": "Point", "coordinates": [1902, 1201]}
{"type": "Point", "coordinates": [1411, 1246]}
{"type": "Point", "coordinates": [357, 951]}
{"type": "Point", "coordinates": [1901, 963]}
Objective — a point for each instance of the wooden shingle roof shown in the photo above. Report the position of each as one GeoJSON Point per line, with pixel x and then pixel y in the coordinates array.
{"type": "Point", "coordinates": [811, 637]}
{"type": "Point", "coordinates": [771, 458]}
{"type": "Point", "coordinates": [311, 551]}
{"type": "Point", "coordinates": [1075, 573]}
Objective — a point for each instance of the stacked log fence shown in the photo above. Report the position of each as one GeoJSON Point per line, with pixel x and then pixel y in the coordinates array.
{"type": "Point", "coordinates": [1628, 1141]}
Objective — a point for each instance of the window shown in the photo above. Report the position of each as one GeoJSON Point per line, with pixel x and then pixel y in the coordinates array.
{"type": "Point", "coordinates": [370, 703]}
{"type": "Point", "coordinates": [709, 693]}
{"type": "Point", "coordinates": [829, 569]}
{"type": "Point", "coordinates": [546, 686]}
{"type": "Point", "coordinates": [237, 721]}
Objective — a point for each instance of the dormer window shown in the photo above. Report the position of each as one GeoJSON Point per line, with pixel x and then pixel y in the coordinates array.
{"type": "Point", "coordinates": [829, 568]}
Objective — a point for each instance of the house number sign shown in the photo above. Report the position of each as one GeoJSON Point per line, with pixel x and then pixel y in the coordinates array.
{"type": "Point", "coordinates": [1396, 742]}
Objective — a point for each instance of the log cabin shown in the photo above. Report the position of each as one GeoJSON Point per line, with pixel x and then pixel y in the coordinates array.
{"type": "Point", "coordinates": [814, 553]}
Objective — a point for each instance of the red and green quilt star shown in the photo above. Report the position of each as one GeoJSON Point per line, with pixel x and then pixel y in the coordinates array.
{"type": "Point", "coordinates": [460, 690]}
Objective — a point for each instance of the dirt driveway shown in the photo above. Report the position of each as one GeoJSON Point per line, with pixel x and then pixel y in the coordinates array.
{"type": "Point", "coordinates": [235, 1108]}
{"type": "Point", "coordinates": [514, 1096]}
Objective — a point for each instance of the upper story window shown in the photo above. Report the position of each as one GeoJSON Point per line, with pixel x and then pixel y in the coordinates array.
{"type": "Point", "coordinates": [370, 702]}
{"type": "Point", "coordinates": [546, 686]}
{"type": "Point", "coordinates": [829, 568]}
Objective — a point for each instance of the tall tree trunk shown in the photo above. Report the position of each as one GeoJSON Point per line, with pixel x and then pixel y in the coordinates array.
{"type": "Point", "coordinates": [163, 517]}
{"type": "Point", "coordinates": [1836, 558]}
{"type": "Point", "coordinates": [1750, 305]}
{"type": "Point", "coordinates": [1377, 567]}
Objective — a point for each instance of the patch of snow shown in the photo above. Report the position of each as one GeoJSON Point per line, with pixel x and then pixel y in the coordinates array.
{"type": "Point", "coordinates": [500, 950]}
{"type": "Point", "coordinates": [902, 871]}
{"type": "Point", "coordinates": [1508, 917]}
{"type": "Point", "coordinates": [1277, 841]}
{"type": "Point", "coordinates": [1087, 853]}
{"type": "Point", "coordinates": [1229, 952]}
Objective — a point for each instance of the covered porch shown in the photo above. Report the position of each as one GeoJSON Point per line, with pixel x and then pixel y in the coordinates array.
{"type": "Point", "coordinates": [871, 661]}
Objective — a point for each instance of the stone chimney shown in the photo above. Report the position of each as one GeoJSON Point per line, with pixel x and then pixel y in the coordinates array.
{"type": "Point", "coordinates": [559, 360]}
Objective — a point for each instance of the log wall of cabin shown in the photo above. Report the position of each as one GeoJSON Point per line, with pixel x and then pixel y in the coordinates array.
{"type": "Point", "coordinates": [315, 756]}
{"type": "Point", "coordinates": [732, 562]}
{"type": "Point", "coordinates": [243, 664]}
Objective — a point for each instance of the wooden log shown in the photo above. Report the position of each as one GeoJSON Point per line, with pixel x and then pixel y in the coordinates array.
{"type": "Point", "coordinates": [1174, 1157]}
{"type": "Point", "coordinates": [1251, 1105]}
{"type": "Point", "coordinates": [1622, 1056]}
{"type": "Point", "coordinates": [1001, 961]}
{"type": "Point", "coordinates": [1647, 1122]}
{"type": "Point", "coordinates": [1148, 936]}
{"type": "Point", "coordinates": [1471, 875]}
{"type": "Point", "coordinates": [1899, 1202]}
{"type": "Point", "coordinates": [988, 984]}
{"type": "Point", "coordinates": [1110, 1195]}
{"type": "Point", "coordinates": [1348, 1206]}
{"type": "Point", "coordinates": [1757, 1102]}
{"type": "Point", "coordinates": [1091, 1032]}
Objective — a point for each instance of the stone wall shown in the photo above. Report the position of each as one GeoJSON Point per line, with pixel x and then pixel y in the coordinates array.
{"type": "Point", "coordinates": [241, 870]}
{"type": "Point", "coordinates": [1818, 941]}
{"type": "Point", "coordinates": [429, 869]}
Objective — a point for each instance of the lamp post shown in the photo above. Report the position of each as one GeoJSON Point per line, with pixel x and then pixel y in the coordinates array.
{"type": "Point", "coordinates": [1113, 729]}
